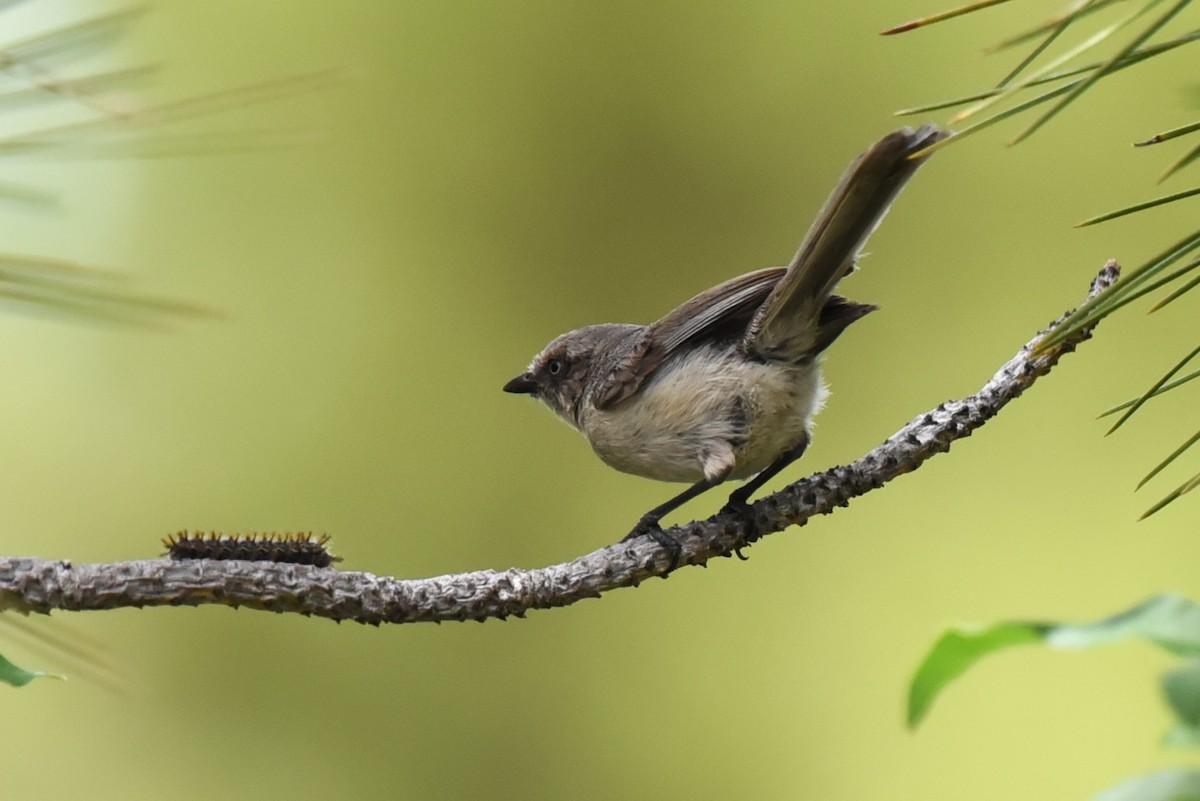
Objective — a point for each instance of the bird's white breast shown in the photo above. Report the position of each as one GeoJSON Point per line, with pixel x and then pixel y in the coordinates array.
{"type": "Point", "coordinates": [709, 412]}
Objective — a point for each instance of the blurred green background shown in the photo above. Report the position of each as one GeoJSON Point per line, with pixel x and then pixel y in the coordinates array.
{"type": "Point", "coordinates": [489, 175]}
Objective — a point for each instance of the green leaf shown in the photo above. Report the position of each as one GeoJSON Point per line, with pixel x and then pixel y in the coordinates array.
{"type": "Point", "coordinates": [19, 677]}
{"type": "Point", "coordinates": [1181, 736]}
{"type": "Point", "coordinates": [1170, 784]}
{"type": "Point", "coordinates": [956, 651]}
{"type": "Point", "coordinates": [1169, 621]}
{"type": "Point", "coordinates": [1181, 687]}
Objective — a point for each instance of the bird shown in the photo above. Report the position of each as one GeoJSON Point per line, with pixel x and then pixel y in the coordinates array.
{"type": "Point", "coordinates": [725, 386]}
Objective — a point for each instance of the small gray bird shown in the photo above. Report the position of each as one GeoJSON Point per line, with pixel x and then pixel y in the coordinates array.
{"type": "Point", "coordinates": [726, 385]}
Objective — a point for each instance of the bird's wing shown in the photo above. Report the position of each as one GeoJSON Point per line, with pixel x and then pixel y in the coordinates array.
{"type": "Point", "coordinates": [720, 312]}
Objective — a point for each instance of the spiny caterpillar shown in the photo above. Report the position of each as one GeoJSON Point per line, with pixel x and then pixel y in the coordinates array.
{"type": "Point", "coordinates": [301, 548]}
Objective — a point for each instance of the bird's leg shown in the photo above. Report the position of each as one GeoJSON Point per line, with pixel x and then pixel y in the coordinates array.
{"type": "Point", "coordinates": [737, 503]}
{"type": "Point", "coordinates": [649, 526]}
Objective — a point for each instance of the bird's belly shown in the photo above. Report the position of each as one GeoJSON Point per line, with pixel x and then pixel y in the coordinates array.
{"type": "Point", "coordinates": [701, 416]}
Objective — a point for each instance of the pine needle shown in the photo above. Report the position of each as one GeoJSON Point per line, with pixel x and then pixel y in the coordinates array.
{"type": "Point", "coordinates": [1091, 80]}
{"type": "Point", "coordinates": [1076, 11]}
{"type": "Point", "coordinates": [992, 120]}
{"type": "Point", "coordinates": [59, 41]}
{"type": "Point", "coordinates": [1174, 455]}
{"type": "Point", "coordinates": [1087, 44]}
{"type": "Point", "coordinates": [85, 292]}
{"type": "Point", "coordinates": [1182, 489]}
{"type": "Point", "coordinates": [1165, 388]}
{"type": "Point", "coordinates": [1149, 204]}
{"type": "Point", "coordinates": [1178, 293]}
{"type": "Point", "coordinates": [27, 195]}
{"type": "Point", "coordinates": [85, 134]}
{"type": "Point", "coordinates": [940, 17]}
{"type": "Point", "coordinates": [1123, 293]}
{"type": "Point", "coordinates": [1171, 134]}
{"type": "Point", "coordinates": [1133, 58]}
{"type": "Point", "coordinates": [1129, 296]}
{"type": "Point", "coordinates": [1033, 54]}
{"type": "Point", "coordinates": [1158, 385]}
{"type": "Point", "coordinates": [45, 88]}
{"type": "Point", "coordinates": [1187, 159]}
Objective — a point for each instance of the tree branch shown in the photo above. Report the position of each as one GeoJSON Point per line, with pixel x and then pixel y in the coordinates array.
{"type": "Point", "coordinates": [39, 585]}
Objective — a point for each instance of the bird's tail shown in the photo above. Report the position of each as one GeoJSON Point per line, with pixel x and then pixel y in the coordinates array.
{"type": "Point", "coordinates": [801, 316]}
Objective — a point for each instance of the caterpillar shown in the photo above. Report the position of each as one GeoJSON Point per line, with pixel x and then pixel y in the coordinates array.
{"type": "Point", "coordinates": [300, 548]}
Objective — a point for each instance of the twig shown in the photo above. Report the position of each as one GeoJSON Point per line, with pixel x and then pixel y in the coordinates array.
{"type": "Point", "coordinates": [39, 585]}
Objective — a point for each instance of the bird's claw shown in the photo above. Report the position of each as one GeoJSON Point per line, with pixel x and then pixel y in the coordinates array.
{"type": "Point", "coordinates": [738, 507]}
{"type": "Point", "coordinates": [650, 528]}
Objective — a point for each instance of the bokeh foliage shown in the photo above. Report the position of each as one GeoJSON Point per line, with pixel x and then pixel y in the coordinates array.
{"type": "Point", "coordinates": [490, 175]}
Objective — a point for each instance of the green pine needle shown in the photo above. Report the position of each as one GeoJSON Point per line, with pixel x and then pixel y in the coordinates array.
{"type": "Point", "coordinates": [1178, 293]}
{"type": "Point", "coordinates": [1149, 204]}
{"type": "Point", "coordinates": [1128, 61]}
{"type": "Point", "coordinates": [1129, 288]}
{"type": "Point", "coordinates": [56, 41]}
{"type": "Point", "coordinates": [1181, 490]}
{"type": "Point", "coordinates": [1187, 159]}
{"type": "Point", "coordinates": [1108, 67]}
{"type": "Point", "coordinates": [1165, 267]}
{"type": "Point", "coordinates": [1171, 134]}
{"type": "Point", "coordinates": [1164, 388]}
{"type": "Point", "coordinates": [1072, 53]}
{"type": "Point", "coordinates": [992, 120]}
{"type": "Point", "coordinates": [940, 16]}
{"type": "Point", "coordinates": [1175, 454]}
{"type": "Point", "coordinates": [1158, 385]}
{"type": "Point", "coordinates": [1078, 11]}
{"type": "Point", "coordinates": [1033, 54]}
{"type": "Point", "coordinates": [1158, 282]}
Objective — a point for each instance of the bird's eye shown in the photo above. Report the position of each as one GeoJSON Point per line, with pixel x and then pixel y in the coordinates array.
{"type": "Point", "coordinates": [554, 367]}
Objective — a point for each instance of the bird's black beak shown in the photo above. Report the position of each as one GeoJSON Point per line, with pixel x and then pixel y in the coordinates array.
{"type": "Point", "coordinates": [522, 385]}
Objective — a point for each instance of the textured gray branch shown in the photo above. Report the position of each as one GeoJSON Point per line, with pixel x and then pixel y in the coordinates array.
{"type": "Point", "coordinates": [39, 585]}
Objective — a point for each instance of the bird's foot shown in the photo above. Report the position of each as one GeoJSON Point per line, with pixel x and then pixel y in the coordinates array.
{"type": "Point", "coordinates": [740, 508]}
{"type": "Point", "coordinates": [649, 527]}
